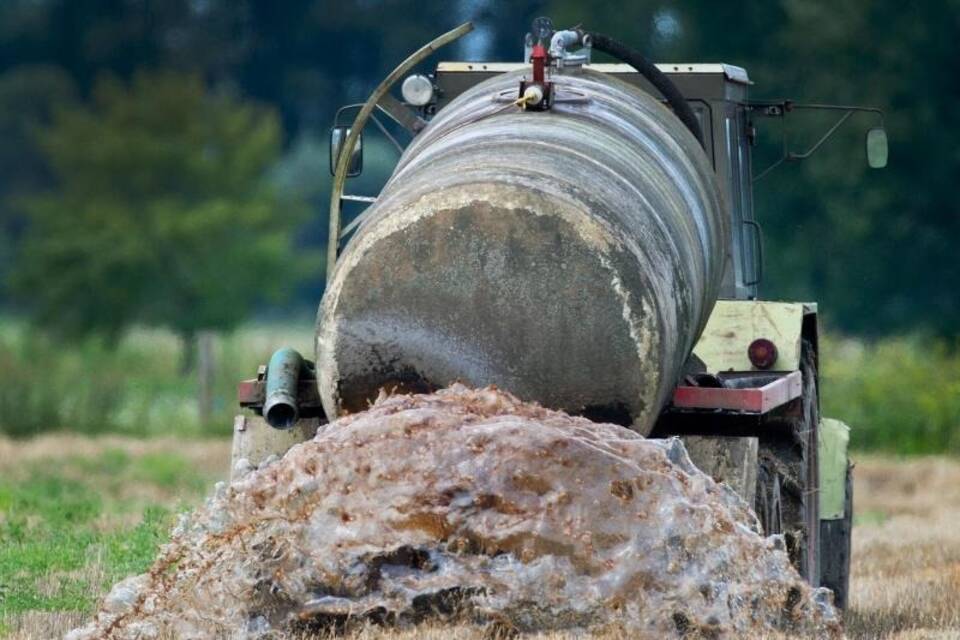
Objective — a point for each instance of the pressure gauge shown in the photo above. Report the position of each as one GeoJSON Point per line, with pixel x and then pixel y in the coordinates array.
{"type": "Point", "coordinates": [417, 90]}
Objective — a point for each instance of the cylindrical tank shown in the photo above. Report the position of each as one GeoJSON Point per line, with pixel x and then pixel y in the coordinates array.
{"type": "Point", "coordinates": [570, 256]}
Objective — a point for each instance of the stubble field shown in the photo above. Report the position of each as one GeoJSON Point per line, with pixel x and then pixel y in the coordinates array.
{"type": "Point", "coordinates": [77, 513]}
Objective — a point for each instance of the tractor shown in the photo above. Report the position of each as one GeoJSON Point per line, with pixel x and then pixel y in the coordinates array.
{"type": "Point", "coordinates": [582, 235]}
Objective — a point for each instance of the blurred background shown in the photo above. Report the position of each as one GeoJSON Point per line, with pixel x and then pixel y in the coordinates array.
{"type": "Point", "coordinates": [164, 185]}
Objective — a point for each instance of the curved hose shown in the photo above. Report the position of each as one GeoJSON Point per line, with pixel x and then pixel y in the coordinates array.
{"type": "Point", "coordinates": [656, 77]}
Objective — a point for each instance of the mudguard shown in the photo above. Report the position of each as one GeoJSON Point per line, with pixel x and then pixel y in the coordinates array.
{"type": "Point", "coordinates": [834, 440]}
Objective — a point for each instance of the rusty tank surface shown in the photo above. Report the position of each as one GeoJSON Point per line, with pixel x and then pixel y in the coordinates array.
{"type": "Point", "coordinates": [571, 255]}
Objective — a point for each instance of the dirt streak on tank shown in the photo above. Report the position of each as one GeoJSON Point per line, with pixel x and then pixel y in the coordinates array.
{"type": "Point", "coordinates": [572, 256]}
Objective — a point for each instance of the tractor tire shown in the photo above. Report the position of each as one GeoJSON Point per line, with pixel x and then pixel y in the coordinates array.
{"type": "Point", "coordinates": [788, 474]}
{"type": "Point", "coordinates": [835, 549]}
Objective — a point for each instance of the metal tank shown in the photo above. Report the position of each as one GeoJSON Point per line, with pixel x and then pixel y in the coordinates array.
{"type": "Point", "coordinates": [570, 256]}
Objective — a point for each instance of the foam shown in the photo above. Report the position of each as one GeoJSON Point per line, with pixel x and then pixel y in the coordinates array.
{"type": "Point", "coordinates": [469, 504]}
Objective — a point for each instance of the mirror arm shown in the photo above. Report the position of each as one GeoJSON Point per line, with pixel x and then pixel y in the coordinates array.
{"type": "Point", "coordinates": [773, 166]}
{"type": "Point", "coordinates": [780, 108]}
{"type": "Point", "coordinates": [387, 134]}
{"type": "Point", "coordinates": [836, 107]}
{"type": "Point", "coordinates": [809, 152]}
{"type": "Point", "coordinates": [374, 118]}
{"type": "Point", "coordinates": [343, 160]}
{"type": "Point", "coordinates": [784, 152]}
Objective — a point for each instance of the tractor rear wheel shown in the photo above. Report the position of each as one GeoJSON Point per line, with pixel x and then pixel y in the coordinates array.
{"type": "Point", "coordinates": [788, 474]}
{"type": "Point", "coordinates": [835, 548]}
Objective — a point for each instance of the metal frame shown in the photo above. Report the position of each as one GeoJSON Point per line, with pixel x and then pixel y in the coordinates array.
{"type": "Point", "coordinates": [366, 111]}
{"type": "Point", "coordinates": [373, 118]}
{"type": "Point", "coordinates": [756, 400]}
{"type": "Point", "coordinates": [780, 108]}
{"type": "Point", "coordinates": [731, 72]}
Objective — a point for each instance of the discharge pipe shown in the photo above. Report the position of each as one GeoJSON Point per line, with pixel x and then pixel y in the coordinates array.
{"type": "Point", "coordinates": [280, 408]}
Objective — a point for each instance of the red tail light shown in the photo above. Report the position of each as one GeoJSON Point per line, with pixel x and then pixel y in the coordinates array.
{"type": "Point", "coordinates": [762, 353]}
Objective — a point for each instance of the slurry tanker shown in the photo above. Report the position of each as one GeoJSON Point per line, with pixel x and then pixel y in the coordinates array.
{"type": "Point", "coordinates": [582, 235]}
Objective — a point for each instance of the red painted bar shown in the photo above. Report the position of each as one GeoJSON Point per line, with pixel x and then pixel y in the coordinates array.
{"type": "Point", "coordinates": [752, 400]}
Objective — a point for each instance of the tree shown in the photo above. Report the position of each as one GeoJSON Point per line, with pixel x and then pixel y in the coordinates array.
{"type": "Point", "coordinates": [162, 214]}
{"type": "Point", "coordinates": [875, 247]}
{"type": "Point", "coordinates": [884, 255]}
{"type": "Point", "coordinates": [28, 96]}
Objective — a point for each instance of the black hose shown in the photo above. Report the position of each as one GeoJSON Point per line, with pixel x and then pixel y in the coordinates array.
{"type": "Point", "coordinates": [656, 77]}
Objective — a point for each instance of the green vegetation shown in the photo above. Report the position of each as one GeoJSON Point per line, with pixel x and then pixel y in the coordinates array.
{"type": "Point", "coordinates": [875, 248]}
{"type": "Point", "coordinates": [134, 388]}
{"type": "Point", "coordinates": [162, 215]}
{"type": "Point", "coordinates": [900, 395]}
{"type": "Point", "coordinates": [73, 524]}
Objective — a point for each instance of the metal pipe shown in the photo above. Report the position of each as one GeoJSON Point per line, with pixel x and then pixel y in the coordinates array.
{"type": "Point", "coordinates": [280, 408]}
{"type": "Point", "coordinates": [561, 41]}
{"type": "Point", "coordinates": [571, 256]}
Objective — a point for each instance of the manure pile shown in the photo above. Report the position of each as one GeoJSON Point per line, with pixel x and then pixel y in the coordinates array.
{"type": "Point", "coordinates": [470, 505]}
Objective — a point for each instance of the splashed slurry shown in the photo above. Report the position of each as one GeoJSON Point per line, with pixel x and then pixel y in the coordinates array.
{"type": "Point", "coordinates": [469, 503]}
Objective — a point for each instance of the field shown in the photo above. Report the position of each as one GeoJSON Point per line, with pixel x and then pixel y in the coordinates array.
{"type": "Point", "coordinates": [81, 512]}
{"type": "Point", "coordinates": [101, 446]}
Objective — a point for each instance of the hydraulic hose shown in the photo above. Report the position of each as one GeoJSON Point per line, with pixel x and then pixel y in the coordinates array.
{"type": "Point", "coordinates": [656, 77]}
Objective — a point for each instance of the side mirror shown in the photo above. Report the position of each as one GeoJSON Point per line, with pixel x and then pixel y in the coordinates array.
{"type": "Point", "coordinates": [877, 148]}
{"type": "Point", "coordinates": [338, 135]}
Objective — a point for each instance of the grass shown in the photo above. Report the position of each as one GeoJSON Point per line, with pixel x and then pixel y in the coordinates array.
{"type": "Point", "coordinates": [79, 513]}
{"type": "Point", "coordinates": [135, 388]}
{"type": "Point", "coordinates": [906, 549]}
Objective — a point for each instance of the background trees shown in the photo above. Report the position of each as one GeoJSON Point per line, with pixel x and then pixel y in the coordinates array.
{"type": "Point", "coordinates": [875, 248]}
{"type": "Point", "coordinates": [164, 163]}
{"type": "Point", "coordinates": [162, 213]}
